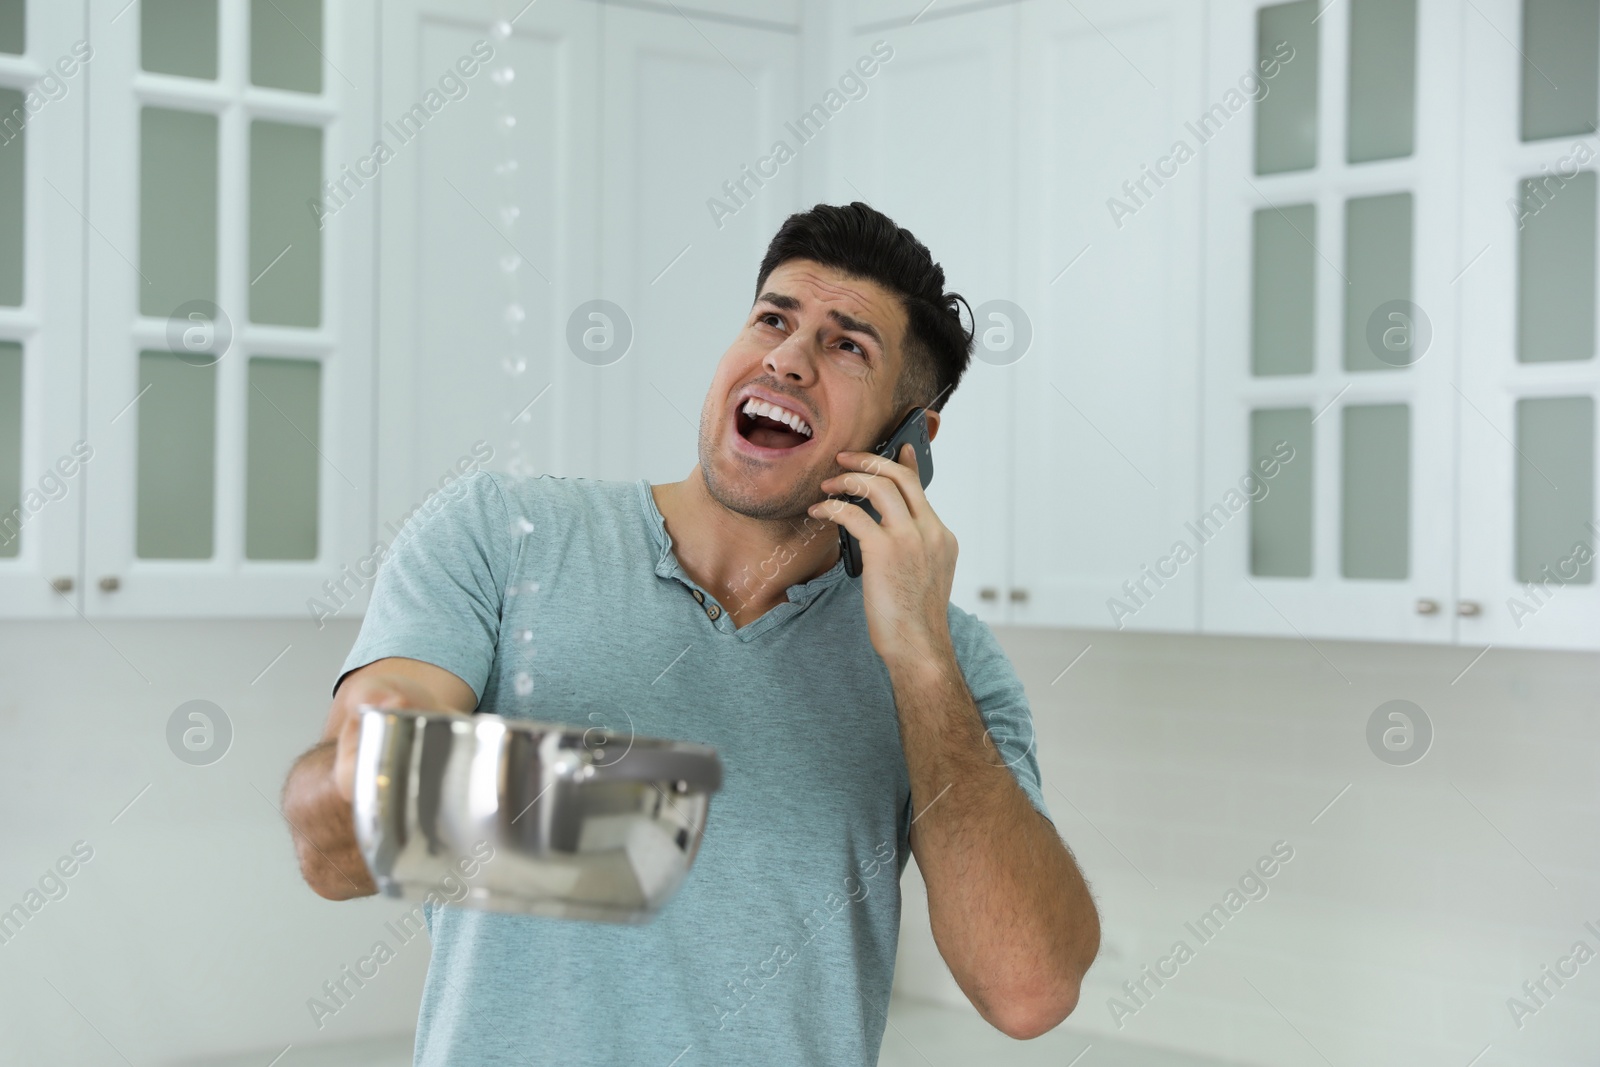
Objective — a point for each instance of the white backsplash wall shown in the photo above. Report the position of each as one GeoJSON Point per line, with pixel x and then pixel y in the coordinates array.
{"type": "Point", "coordinates": [1394, 936]}
{"type": "Point", "coordinates": [1412, 908]}
{"type": "Point", "coordinates": [189, 932]}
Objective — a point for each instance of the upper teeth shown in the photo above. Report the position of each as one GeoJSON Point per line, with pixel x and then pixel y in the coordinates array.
{"type": "Point", "coordinates": [753, 406]}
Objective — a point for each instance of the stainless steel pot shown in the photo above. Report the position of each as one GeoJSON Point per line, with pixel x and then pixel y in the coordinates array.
{"type": "Point", "coordinates": [528, 816]}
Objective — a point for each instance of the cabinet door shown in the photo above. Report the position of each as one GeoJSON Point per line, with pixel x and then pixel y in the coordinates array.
{"type": "Point", "coordinates": [230, 309]}
{"type": "Point", "coordinates": [45, 455]}
{"type": "Point", "coordinates": [932, 144]}
{"type": "Point", "coordinates": [489, 236]}
{"type": "Point", "coordinates": [691, 193]}
{"type": "Point", "coordinates": [1529, 375]}
{"type": "Point", "coordinates": [1106, 417]}
{"type": "Point", "coordinates": [1333, 260]}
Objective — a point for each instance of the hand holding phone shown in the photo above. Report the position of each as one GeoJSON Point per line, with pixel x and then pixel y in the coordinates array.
{"type": "Point", "coordinates": [913, 431]}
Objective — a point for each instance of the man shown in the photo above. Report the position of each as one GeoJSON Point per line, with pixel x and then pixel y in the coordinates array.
{"type": "Point", "coordinates": [717, 610]}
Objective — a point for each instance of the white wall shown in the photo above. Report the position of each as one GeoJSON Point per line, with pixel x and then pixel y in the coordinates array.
{"type": "Point", "coordinates": [1394, 936]}
{"type": "Point", "coordinates": [1405, 919]}
{"type": "Point", "coordinates": [189, 931]}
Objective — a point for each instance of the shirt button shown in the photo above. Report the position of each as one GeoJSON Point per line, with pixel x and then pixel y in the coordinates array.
{"type": "Point", "coordinates": [713, 611]}
{"type": "Point", "coordinates": [698, 595]}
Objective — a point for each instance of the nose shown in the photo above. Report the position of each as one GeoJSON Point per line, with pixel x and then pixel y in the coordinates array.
{"type": "Point", "coordinates": [792, 361]}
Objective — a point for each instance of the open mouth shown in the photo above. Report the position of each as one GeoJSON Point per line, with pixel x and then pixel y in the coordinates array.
{"type": "Point", "coordinates": [769, 426]}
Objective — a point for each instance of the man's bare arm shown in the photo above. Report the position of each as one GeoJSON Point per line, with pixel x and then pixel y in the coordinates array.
{"type": "Point", "coordinates": [316, 795]}
{"type": "Point", "coordinates": [1010, 911]}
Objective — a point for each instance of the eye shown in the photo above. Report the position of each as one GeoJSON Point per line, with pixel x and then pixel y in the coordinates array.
{"type": "Point", "coordinates": [855, 347]}
{"type": "Point", "coordinates": [766, 315]}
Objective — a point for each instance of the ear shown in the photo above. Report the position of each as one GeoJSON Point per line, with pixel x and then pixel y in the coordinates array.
{"type": "Point", "coordinates": [932, 419]}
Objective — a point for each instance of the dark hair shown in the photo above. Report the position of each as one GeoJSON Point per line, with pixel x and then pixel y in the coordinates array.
{"type": "Point", "coordinates": [867, 244]}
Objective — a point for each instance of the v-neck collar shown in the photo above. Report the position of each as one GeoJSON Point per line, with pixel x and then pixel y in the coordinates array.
{"type": "Point", "coordinates": [799, 595]}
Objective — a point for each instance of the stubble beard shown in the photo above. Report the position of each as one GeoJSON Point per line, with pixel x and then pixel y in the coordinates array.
{"type": "Point", "coordinates": [735, 492]}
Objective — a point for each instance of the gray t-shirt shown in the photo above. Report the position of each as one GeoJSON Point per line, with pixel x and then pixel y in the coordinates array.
{"type": "Point", "coordinates": [561, 600]}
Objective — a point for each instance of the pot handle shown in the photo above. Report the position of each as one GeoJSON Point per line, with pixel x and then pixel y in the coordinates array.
{"type": "Point", "coordinates": [698, 768]}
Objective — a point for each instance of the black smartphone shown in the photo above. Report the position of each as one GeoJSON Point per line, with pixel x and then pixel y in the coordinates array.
{"type": "Point", "coordinates": [913, 431]}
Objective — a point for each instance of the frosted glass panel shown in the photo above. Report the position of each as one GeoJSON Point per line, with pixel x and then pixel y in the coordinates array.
{"type": "Point", "coordinates": [13, 26]}
{"type": "Point", "coordinates": [13, 152]}
{"type": "Point", "coordinates": [280, 516]}
{"type": "Point", "coordinates": [1286, 118]}
{"type": "Point", "coordinates": [1282, 304]}
{"type": "Point", "coordinates": [1555, 276]}
{"type": "Point", "coordinates": [1560, 67]}
{"type": "Point", "coordinates": [1383, 79]}
{"type": "Point", "coordinates": [10, 448]}
{"type": "Point", "coordinates": [177, 209]}
{"type": "Point", "coordinates": [177, 457]}
{"type": "Point", "coordinates": [1280, 522]}
{"type": "Point", "coordinates": [178, 37]}
{"type": "Point", "coordinates": [1376, 499]}
{"type": "Point", "coordinates": [1377, 261]}
{"type": "Point", "coordinates": [1555, 488]}
{"type": "Point", "coordinates": [285, 244]}
{"type": "Point", "coordinates": [286, 44]}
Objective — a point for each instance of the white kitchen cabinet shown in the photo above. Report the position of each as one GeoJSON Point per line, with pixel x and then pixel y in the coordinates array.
{"type": "Point", "coordinates": [1435, 478]}
{"type": "Point", "coordinates": [931, 145]}
{"type": "Point", "coordinates": [1170, 277]}
{"type": "Point", "coordinates": [490, 233]}
{"type": "Point", "coordinates": [1066, 459]}
{"type": "Point", "coordinates": [42, 443]}
{"type": "Point", "coordinates": [1529, 377]}
{"type": "Point", "coordinates": [501, 236]}
{"type": "Point", "coordinates": [208, 340]}
{"type": "Point", "coordinates": [691, 192]}
{"type": "Point", "coordinates": [1105, 416]}
{"type": "Point", "coordinates": [1318, 257]}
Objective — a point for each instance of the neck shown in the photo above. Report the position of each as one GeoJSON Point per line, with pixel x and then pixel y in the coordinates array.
{"type": "Point", "coordinates": [748, 564]}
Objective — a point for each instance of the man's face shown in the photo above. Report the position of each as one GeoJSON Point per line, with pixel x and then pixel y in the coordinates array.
{"type": "Point", "coordinates": [827, 349]}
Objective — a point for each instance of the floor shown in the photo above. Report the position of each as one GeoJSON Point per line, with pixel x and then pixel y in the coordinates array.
{"type": "Point", "coordinates": [920, 1034]}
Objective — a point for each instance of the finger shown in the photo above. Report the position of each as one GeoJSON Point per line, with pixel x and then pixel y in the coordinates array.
{"type": "Point", "coordinates": [904, 476]}
{"type": "Point", "coordinates": [908, 457]}
{"type": "Point", "coordinates": [851, 516]}
{"type": "Point", "coordinates": [344, 757]}
{"type": "Point", "coordinates": [883, 493]}
{"type": "Point", "coordinates": [881, 489]}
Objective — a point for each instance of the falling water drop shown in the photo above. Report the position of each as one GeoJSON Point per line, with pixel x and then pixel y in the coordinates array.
{"type": "Point", "coordinates": [514, 364]}
{"type": "Point", "coordinates": [501, 29]}
{"type": "Point", "coordinates": [503, 75]}
{"type": "Point", "coordinates": [510, 262]}
{"type": "Point", "coordinates": [508, 121]}
{"type": "Point", "coordinates": [509, 214]}
{"type": "Point", "coordinates": [515, 313]}
{"type": "Point", "coordinates": [524, 683]}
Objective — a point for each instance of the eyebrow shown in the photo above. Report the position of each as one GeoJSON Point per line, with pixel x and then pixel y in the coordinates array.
{"type": "Point", "coordinates": [789, 303]}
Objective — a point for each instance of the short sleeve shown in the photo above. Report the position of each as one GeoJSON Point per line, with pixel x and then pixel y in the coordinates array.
{"type": "Point", "coordinates": [439, 589]}
{"type": "Point", "coordinates": [1001, 701]}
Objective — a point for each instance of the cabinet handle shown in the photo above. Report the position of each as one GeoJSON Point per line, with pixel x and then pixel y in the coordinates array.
{"type": "Point", "coordinates": [989, 593]}
{"type": "Point", "coordinates": [61, 585]}
{"type": "Point", "coordinates": [1468, 607]}
{"type": "Point", "coordinates": [110, 584]}
{"type": "Point", "coordinates": [1019, 596]}
{"type": "Point", "coordinates": [1427, 607]}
